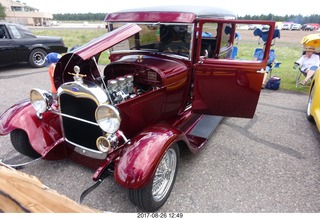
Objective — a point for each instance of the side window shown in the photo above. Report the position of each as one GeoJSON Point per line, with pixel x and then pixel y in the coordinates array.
{"type": "Point", "coordinates": [3, 34]}
{"type": "Point", "coordinates": [210, 30]}
{"type": "Point", "coordinates": [209, 39]}
{"type": "Point", "coordinates": [235, 41]}
{"type": "Point", "coordinates": [15, 32]}
{"type": "Point", "coordinates": [225, 37]}
{"type": "Point", "coordinates": [250, 40]}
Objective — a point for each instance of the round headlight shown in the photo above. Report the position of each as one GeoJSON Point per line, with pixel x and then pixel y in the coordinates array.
{"type": "Point", "coordinates": [103, 144]}
{"type": "Point", "coordinates": [108, 118]}
{"type": "Point", "coordinates": [41, 100]}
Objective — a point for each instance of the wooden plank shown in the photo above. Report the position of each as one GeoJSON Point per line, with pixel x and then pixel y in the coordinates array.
{"type": "Point", "coordinates": [20, 192]}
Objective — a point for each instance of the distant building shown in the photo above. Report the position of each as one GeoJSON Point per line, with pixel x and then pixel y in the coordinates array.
{"type": "Point", "coordinates": [17, 12]}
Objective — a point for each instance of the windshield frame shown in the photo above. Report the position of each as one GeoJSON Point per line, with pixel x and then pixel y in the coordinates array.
{"type": "Point", "coordinates": [148, 40]}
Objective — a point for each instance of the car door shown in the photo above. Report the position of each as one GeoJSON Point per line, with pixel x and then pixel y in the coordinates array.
{"type": "Point", "coordinates": [223, 85]}
{"type": "Point", "coordinates": [6, 47]}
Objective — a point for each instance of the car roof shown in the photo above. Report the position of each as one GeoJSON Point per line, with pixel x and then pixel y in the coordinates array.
{"type": "Point", "coordinates": [22, 29]}
{"type": "Point", "coordinates": [178, 13]}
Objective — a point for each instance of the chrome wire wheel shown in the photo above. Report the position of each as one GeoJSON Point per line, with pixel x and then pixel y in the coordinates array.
{"type": "Point", "coordinates": [152, 196]}
{"type": "Point", "coordinates": [164, 175]}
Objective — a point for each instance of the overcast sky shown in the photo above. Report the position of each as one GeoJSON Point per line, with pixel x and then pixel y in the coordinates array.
{"type": "Point", "coordinates": [240, 7]}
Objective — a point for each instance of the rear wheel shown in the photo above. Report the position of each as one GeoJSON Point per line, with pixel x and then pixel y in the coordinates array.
{"type": "Point", "coordinates": [20, 142]}
{"type": "Point", "coordinates": [156, 193]}
{"type": "Point", "coordinates": [310, 100]}
{"type": "Point", "coordinates": [37, 58]}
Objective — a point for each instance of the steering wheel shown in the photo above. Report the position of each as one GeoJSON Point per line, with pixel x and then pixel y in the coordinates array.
{"type": "Point", "coordinates": [177, 48]}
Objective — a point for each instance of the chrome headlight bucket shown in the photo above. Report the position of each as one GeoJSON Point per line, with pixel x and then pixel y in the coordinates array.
{"type": "Point", "coordinates": [41, 100]}
{"type": "Point", "coordinates": [108, 118]}
{"type": "Point", "coordinates": [103, 144]}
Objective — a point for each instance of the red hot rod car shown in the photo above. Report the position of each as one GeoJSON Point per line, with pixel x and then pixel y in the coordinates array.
{"type": "Point", "coordinates": [170, 78]}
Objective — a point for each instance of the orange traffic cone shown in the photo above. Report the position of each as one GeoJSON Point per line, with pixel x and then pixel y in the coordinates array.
{"type": "Point", "coordinates": [51, 73]}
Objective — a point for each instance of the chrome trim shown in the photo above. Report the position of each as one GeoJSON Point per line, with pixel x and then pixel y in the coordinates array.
{"type": "Point", "coordinates": [188, 108]}
{"type": "Point", "coordinates": [102, 147]}
{"type": "Point", "coordinates": [95, 93]}
{"type": "Point", "coordinates": [126, 140]}
{"type": "Point", "coordinates": [87, 152]}
{"type": "Point", "coordinates": [75, 118]}
{"type": "Point", "coordinates": [46, 96]}
{"type": "Point", "coordinates": [116, 112]}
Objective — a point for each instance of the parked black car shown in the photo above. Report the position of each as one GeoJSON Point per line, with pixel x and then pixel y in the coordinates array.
{"type": "Point", "coordinates": [18, 44]}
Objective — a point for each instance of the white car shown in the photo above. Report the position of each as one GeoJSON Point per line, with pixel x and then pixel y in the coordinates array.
{"type": "Point", "coordinates": [296, 27]}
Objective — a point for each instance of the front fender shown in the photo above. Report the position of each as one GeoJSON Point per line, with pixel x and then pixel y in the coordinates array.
{"type": "Point", "coordinates": [138, 164]}
{"type": "Point", "coordinates": [44, 134]}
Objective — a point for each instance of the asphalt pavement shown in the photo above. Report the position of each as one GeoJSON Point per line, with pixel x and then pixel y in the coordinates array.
{"type": "Point", "coordinates": [270, 163]}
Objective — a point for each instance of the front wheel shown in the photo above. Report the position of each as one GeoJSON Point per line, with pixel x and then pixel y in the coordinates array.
{"type": "Point", "coordinates": [20, 142]}
{"type": "Point", "coordinates": [156, 193]}
{"type": "Point", "coordinates": [37, 58]}
{"type": "Point", "coordinates": [310, 100]}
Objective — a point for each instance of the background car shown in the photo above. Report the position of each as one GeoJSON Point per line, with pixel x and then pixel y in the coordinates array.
{"type": "Point", "coordinates": [296, 27]}
{"type": "Point", "coordinates": [287, 26]}
{"type": "Point", "coordinates": [18, 44]}
{"type": "Point", "coordinates": [254, 26]}
{"type": "Point", "coordinates": [306, 27]}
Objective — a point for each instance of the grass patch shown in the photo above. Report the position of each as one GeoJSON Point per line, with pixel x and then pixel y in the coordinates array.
{"type": "Point", "coordinates": [73, 37]}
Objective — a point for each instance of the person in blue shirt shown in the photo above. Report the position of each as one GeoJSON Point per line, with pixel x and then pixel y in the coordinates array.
{"type": "Point", "coordinates": [271, 60]}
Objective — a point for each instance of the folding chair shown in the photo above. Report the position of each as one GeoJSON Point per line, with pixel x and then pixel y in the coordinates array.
{"type": "Point", "coordinates": [299, 74]}
{"type": "Point", "coordinates": [270, 63]}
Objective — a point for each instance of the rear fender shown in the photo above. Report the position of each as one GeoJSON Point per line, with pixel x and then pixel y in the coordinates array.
{"type": "Point", "coordinates": [44, 134]}
{"type": "Point", "coordinates": [138, 163]}
{"type": "Point", "coordinates": [39, 46]}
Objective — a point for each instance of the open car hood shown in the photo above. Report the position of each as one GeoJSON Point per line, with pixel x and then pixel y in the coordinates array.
{"type": "Point", "coordinates": [106, 41]}
{"type": "Point", "coordinates": [82, 56]}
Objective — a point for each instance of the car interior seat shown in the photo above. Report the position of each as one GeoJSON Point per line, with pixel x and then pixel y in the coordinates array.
{"type": "Point", "coordinates": [270, 63]}
{"type": "Point", "coordinates": [2, 34]}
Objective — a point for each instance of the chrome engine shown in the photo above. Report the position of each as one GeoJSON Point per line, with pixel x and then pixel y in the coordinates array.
{"type": "Point", "coordinates": [121, 89]}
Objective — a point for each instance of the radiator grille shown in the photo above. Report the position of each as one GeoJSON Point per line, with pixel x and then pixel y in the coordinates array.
{"type": "Point", "coordinates": [75, 131]}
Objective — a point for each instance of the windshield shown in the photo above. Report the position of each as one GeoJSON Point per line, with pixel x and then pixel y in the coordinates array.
{"type": "Point", "coordinates": [158, 37]}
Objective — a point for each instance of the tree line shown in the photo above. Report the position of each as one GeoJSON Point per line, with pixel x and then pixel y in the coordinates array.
{"type": "Point", "coordinates": [79, 17]}
{"type": "Point", "coordinates": [300, 19]}
{"type": "Point", "coordinates": [315, 18]}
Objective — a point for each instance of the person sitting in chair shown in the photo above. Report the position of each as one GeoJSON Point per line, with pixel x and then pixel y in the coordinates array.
{"type": "Point", "coordinates": [271, 60]}
{"type": "Point", "coordinates": [309, 63]}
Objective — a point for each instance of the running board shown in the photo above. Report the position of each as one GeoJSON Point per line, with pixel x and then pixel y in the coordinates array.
{"type": "Point", "coordinates": [203, 130]}
{"type": "Point", "coordinates": [206, 126]}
